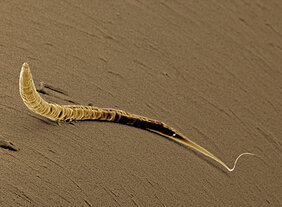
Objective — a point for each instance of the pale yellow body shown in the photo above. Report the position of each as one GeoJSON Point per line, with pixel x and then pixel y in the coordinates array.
{"type": "Point", "coordinates": [61, 113]}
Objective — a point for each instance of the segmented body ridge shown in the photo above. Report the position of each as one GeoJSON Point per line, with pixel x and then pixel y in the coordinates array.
{"type": "Point", "coordinates": [61, 113]}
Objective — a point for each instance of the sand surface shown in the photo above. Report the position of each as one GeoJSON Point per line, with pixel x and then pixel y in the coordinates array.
{"type": "Point", "coordinates": [212, 70]}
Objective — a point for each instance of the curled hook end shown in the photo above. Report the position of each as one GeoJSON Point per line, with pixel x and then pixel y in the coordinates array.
{"type": "Point", "coordinates": [245, 153]}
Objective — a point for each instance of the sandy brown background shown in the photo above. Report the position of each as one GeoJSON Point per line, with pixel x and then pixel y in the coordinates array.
{"type": "Point", "coordinates": [210, 69]}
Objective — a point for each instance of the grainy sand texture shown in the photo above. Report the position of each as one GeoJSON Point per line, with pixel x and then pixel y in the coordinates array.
{"type": "Point", "coordinates": [210, 69]}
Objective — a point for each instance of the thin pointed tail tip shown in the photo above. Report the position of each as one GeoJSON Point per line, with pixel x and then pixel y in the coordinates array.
{"type": "Point", "coordinates": [234, 166]}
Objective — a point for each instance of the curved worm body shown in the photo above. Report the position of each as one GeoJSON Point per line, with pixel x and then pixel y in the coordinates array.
{"type": "Point", "coordinates": [60, 113]}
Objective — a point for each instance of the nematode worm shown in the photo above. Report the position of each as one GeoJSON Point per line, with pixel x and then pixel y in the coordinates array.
{"type": "Point", "coordinates": [60, 113]}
